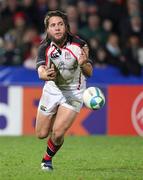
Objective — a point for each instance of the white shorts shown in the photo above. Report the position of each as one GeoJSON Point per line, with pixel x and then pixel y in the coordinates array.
{"type": "Point", "coordinates": [53, 97]}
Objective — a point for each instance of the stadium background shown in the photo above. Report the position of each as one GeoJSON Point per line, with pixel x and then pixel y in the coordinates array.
{"type": "Point", "coordinates": [118, 73]}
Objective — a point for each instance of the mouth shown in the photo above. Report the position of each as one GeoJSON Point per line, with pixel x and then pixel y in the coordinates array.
{"type": "Point", "coordinates": [58, 34]}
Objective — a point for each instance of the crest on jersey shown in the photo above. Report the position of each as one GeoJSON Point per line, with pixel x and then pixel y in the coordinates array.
{"type": "Point", "coordinates": [137, 114]}
{"type": "Point", "coordinates": [67, 55]}
{"type": "Point", "coordinates": [61, 65]}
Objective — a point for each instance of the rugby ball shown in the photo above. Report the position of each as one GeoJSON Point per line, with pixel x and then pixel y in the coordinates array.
{"type": "Point", "coordinates": [93, 98]}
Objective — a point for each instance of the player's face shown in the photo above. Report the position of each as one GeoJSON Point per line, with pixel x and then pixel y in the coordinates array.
{"type": "Point", "coordinates": [56, 29]}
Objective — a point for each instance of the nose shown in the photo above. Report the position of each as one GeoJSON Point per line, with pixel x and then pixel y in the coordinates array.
{"type": "Point", "coordinates": [57, 27]}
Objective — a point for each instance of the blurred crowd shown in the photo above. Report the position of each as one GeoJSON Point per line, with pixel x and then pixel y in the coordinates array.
{"type": "Point", "coordinates": [112, 28]}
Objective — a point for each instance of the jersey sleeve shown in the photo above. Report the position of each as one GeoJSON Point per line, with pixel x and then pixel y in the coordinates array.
{"type": "Point", "coordinates": [79, 41]}
{"type": "Point", "coordinates": [41, 58]}
{"type": "Point", "coordinates": [83, 43]}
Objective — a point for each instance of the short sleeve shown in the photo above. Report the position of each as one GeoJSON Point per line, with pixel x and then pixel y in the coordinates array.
{"type": "Point", "coordinates": [41, 58]}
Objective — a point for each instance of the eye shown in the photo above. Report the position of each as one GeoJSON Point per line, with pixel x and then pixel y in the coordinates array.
{"type": "Point", "coordinates": [52, 25]}
{"type": "Point", "coordinates": [61, 24]}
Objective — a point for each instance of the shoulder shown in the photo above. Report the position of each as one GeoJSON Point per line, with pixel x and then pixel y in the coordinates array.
{"type": "Point", "coordinates": [41, 58]}
{"type": "Point", "coordinates": [76, 40]}
{"type": "Point", "coordinates": [44, 45]}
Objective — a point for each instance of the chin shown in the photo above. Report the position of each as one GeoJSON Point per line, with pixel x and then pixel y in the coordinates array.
{"type": "Point", "coordinates": [59, 40]}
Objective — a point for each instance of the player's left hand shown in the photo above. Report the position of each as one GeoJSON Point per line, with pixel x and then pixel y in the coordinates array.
{"type": "Point", "coordinates": [84, 55]}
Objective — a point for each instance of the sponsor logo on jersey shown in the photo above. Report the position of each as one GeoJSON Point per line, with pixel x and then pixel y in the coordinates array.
{"type": "Point", "coordinates": [55, 55]}
{"type": "Point", "coordinates": [137, 114]}
{"type": "Point", "coordinates": [67, 55]}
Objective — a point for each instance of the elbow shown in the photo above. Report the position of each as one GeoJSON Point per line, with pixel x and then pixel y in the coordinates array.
{"type": "Point", "coordinates": [88, 71]}
{"type": "Point", "coordinates": [89, 74]}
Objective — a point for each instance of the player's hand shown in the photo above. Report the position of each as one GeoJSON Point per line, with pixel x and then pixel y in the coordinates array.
{"type": "Point", "coordinates": [84, 55]}
{"type": "Point", "coordinates": [51, 73]}
{"type": "Point", "coordinates": [86, 50]}
{"type": "Point", "coordinates": [46, 73]}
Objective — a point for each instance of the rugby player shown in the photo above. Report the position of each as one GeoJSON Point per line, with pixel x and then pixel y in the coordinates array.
{"type": "Point", "coordinates": [63, 64]}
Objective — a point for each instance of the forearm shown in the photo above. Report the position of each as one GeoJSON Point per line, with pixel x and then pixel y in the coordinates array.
{"type": "Point", "coordinates": [86, 69]}
{"type": "Point", "coordinates": [85, 65]}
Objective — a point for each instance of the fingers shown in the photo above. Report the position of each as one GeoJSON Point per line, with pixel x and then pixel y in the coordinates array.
{"type": "Point", "coordinates": [46, 73]}
{"type": "Point", "coordinates": [50, 78]}
{"type": "Point", "coordinates": [82, 52]}
{"type": "Point", "coordinates": [84, 55]}
{"type": "Point", "coordinates": [51, 73]}
{"type": "Point", "coordinates": [86, 50]}
{"type": "Point", "coordinates": [52, 66]}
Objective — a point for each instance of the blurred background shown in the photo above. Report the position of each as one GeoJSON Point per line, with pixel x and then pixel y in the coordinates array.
{"type": "Point", "coordinates": [113, 30]}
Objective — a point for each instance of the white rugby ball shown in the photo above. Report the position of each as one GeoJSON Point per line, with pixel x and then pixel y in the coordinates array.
{"type": "Point", "coordinates": [93, 98]}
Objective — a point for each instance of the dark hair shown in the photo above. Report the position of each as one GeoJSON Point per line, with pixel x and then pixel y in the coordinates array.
{"type": "Point", "coordinates": [56, 13]}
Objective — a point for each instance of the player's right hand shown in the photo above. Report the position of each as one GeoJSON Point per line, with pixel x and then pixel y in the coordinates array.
{"type": "Point", "coordinates": [51, 73]}
{"type": "Point", "coordinates": [47, 74]}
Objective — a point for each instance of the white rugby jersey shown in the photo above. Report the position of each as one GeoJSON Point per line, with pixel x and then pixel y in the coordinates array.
{"type": "Point", "coordinates": [69, 75]}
